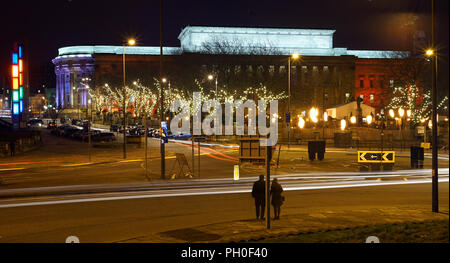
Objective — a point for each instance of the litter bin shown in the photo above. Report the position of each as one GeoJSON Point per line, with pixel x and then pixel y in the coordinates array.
{"type": "Point", "coordinates": [316, 147]}
{"type": "Point", "coordinates": [417, 157]}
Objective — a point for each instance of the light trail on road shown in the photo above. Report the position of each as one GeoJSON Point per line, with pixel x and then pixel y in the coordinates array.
{"type": "Point", "coordinates": [290, 183]}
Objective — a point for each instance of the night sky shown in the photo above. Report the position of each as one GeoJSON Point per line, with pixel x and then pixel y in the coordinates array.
{"type": "Point", "coordinates": [46, 26]}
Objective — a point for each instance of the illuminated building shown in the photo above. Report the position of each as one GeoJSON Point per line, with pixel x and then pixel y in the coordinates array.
{"type": "Point", "coordinates": [239, 57]}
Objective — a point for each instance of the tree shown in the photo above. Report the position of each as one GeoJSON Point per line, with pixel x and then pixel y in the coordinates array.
{"type": "Point", "coordinates": [411, 88]}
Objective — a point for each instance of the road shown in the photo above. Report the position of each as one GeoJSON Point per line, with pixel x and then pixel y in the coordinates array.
{"type": "Point", "coordinates": [127, 215]}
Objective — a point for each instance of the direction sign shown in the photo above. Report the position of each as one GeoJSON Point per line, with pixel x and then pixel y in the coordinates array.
{"type": "Point", "coordinates": [376, 156]}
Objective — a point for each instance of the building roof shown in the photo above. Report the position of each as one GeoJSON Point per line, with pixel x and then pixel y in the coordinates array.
{"type": "Point", "coordinates": [239, 40]}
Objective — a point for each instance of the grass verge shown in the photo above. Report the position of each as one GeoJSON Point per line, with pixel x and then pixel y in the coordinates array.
{"type": "Point", "coordinates": [435, 231]}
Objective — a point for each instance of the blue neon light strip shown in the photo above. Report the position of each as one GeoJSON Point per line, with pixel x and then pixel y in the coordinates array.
{"type": "Point", "coordinates": [21, 105]}
{"type": "Point", "coordinates": [20, 51]}
{"type": "Point", "coordinates": [15, 108]}
{"type": "Point", "coordinates": [15, 59]}
{"type": "Point", "coordinates": [21, 93]}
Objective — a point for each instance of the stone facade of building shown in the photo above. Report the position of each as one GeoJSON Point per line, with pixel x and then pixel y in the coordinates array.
{"type": "Point", "coordinates": [239, 58]}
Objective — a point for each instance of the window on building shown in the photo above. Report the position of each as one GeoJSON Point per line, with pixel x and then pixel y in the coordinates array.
{"type": "Point", "coordinates": [371, 98]}
{"type": "Point", "coordinates": [371, 83]}
{"type": "Point", "coordinates": [271, 70]}
{"type": "Point", "coordinates": [361, 83]}
{"type": "Point", "coordinates": [260, 69]}
{"type": "Point", "coordinates": [237, 69]}
{"type": "Point", "coordinates": [391, 83]}
{"type": "Point", "coordinates": [282, 69]}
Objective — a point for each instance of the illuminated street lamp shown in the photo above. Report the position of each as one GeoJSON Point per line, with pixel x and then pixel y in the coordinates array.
{"type": "Point", "coordinates": [401, 112]}
{"type": "Point", "coordinates": [353, 119]}
{"type": "Point", "coordinates": [211, 77]}
{"type": "Point", "coordinates": [431, 53]}
{"type": "Point", "coordinates": [408, 113]}
{"type": "Point", "coordinates": [130, 42]}
{"type": "Point", "coordinates": [294, 56]}
{"type": "Point", "coordinates": [325, 116]}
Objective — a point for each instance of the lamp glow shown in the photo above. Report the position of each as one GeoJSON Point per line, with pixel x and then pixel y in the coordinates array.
{"type": "Point", "coordinates": [391, 113]}
{"type": "Point", "coordinates": [301, 123]}
{"type": "Point", "coordinates": [313, 113]}
{"type": "Point", "coordinates": [401, 112]}
{"type": "Point", "coordinates": [325, 116]}
{"type": "Point", "coordinates": [131, 42]}
{"type": "Point", "coordinates": [369, 119]}
{"type": "Point", "coordinates": [343, 124]}
{"type": "Point", "coordinates": [429, 52]}
{"type": "Point", "coordinates": [295, 56]}
{"type": "Point", "coordinates": [353, 119]}
{"type": "Point", "coordinates": [408, 113]}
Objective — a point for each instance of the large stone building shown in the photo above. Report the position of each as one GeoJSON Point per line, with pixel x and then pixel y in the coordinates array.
{"type": "Point", "coordinates": [324, 75]}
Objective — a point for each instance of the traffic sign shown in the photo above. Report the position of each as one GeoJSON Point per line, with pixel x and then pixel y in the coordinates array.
{"type": "Point", "coordinates": [236, 172]}
{"type": "Point", "coordinates": [288, 117]}
{"type": "Point", "coordinates": [376, 156]}
{"type": "Point", "coordinates": [425, 145]}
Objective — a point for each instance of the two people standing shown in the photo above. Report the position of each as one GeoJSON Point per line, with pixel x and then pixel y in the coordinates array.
{"type": "Point", "coordinates": [259, 194]}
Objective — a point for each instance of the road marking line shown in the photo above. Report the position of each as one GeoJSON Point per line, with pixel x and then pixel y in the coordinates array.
{"type": "Point", "coordinates": [129, 161]}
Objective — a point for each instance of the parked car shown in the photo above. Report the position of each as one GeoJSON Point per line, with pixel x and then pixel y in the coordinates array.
{"type": "Point", "coordinates": [85, 135]}
{"type": "Point", "coordinates": [103, 137]}
{"type": "Point", "coordinates": [77, 135]}
{"type": "Point", "coordinates": [114, 128]}
{"type": "Point", "coordinates": [51, 125]}
{"type": "Point", "coordinates": [138, 130]}
{"type": "Point", "coordinates": [180, 136]}
{"type": "Point", "coordinates": [35, 123]}
{"type": "Point", "coordinates": [69, 130]}
{"type": "Point", "coordinates": [57, 130]}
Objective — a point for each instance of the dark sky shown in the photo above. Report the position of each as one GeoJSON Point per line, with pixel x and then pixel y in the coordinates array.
{"type": "Point", "coordinates": [359, 24]}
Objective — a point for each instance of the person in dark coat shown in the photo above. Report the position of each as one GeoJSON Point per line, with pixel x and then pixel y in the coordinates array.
{"type": "Point", "coordinates": [277, 198]}
{"type": "Point", "coordinates": [259, 193]}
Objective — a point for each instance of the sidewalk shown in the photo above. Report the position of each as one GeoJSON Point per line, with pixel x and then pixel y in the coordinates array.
{"type": "Point", "coordinates": [250, 230]}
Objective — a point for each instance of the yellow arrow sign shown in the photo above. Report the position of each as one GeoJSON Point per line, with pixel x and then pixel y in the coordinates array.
{"type": "Point", "coordinates": [376, 156]}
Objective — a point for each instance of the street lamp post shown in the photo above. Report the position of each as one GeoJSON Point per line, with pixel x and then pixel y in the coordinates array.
{"type": "Point", "coordinates": [131, 42]}
{"type": "Point", "coordinates": [433, 54]}
{"type": "Point", "coordinates": [293, 56]}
